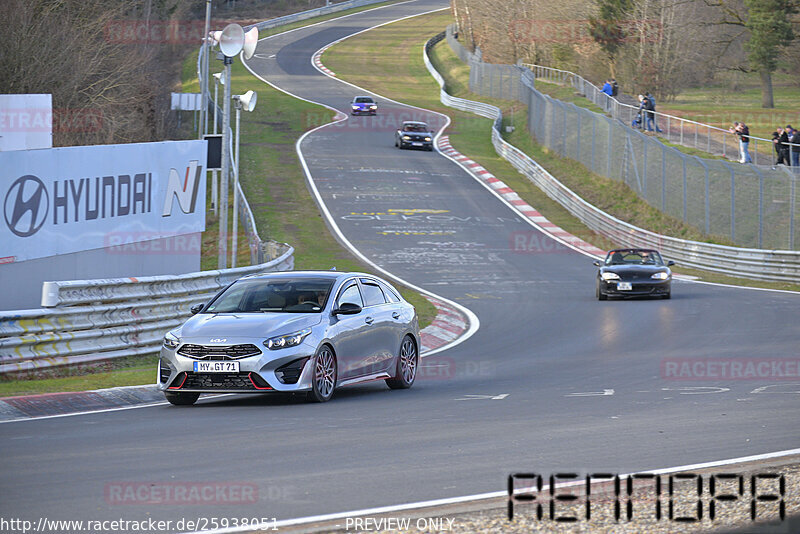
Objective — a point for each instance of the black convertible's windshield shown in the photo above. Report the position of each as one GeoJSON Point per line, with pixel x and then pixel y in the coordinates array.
{"type": "Point", "coordinates": [634, 257]}
{"type": "Point", "coordinates": [279, 295]}
{"type": "Point", "coordinates": [415, 127]}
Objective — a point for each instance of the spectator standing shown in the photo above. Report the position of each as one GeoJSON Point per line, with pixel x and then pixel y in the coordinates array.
{"type": "Point", "coordinates": [780, 138]}
{"type": "Point", "coordinates": [607, 90]}
{"type": "Point", "coordinates": [794, 150]}
{"type": "Point", "coordinates": [614, 88]}
{"type": "Point", "coordinates": [652, 100]}
{"type": "Point", "coordinates": [742, 132]}
{"type": "Point", "coordinates": [649, 112]}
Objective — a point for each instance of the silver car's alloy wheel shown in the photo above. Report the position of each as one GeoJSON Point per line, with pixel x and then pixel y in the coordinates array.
{"type": "Point", "coordinates": [324, 375]}
{"type": "Point", "coordinates": [407, 362]}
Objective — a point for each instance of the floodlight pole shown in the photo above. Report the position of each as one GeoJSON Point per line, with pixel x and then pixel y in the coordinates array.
{"type": "Point", "coordinates": [222, 242]}
{"type": "Point", "coordinates": [204, 110]}
{"type": "Point", "coordinates": [235, 236]}
{"type": "Point", "coordinates": [214, 181]}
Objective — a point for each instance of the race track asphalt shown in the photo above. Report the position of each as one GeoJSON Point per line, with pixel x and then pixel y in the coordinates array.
{"type": "Point", "coordinates": [503, 401]}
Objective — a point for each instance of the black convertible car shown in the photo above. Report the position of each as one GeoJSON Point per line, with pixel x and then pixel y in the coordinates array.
{"type": "Point", "coordinates": [634, 272]}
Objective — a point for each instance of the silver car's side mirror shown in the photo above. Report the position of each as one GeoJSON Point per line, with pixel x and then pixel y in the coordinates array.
{"type": "Point", "coordinates": [196, 308]}
{"type": "Point", "coordinates": [596, 263]}
{"type": "Point", "coordinates": [670, 263]}
{"type": "Point", "coordinates": [347, 308]}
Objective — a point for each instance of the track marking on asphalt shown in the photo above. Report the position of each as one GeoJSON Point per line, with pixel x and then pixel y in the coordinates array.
{"type": "Point", "coordinates": [763, 389]}
{"type": "Point", "coordinates": [604, 393]}
{"type": "Point", "coordinates": [697, 390]}
{"type": "Point", "coordinates": [484, 397]}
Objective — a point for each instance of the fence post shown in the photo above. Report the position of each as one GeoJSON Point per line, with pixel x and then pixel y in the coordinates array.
{"type": "Point", "coordinates": [760, 206]}
{"type": "Point", "coordinates": [610, 149]}
{"type": "Point", "coordinates": [792, 176]}
{"type": "Point", "coordinates": [683, 161]}
{"type": "Point", "coordinates": [578, 138]}
{"type": "Point", "coordinates": [594, 129]}
{"type": "Point", "coordinates": [664, 178]}
{"type": "Point", "coordinates": [733, 200]}
{"type": "Point", "coordinates": [645, 142]}
{"type": "Point", "coordinates": [707, 203]}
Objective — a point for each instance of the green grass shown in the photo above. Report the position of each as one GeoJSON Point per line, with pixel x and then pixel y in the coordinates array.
{"type": "Point", "coordinates": [130, 371]}
{"type": "Point", "coordinates": [388, 60]}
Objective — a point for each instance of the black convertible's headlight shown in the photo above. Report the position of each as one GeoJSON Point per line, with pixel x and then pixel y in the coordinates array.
{"type": "Point", "coordinates": [660, 276]}
{"type": "Point", "coordinates": [609, 276]}
{"type": "Point", "coordinates": [171, 341]}
{"type": "Point", "coordinates": [289, 340]}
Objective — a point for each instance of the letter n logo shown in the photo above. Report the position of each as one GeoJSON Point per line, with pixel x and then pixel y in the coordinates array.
{"type": "Point", "coordinates": [185, 189]}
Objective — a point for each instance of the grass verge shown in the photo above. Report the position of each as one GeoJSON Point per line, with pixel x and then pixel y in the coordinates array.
{"type": "Point", "coordinates": [388, 61]}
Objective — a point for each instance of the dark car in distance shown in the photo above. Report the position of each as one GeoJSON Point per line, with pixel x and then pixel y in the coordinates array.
{"type": "Point", "coordinates": [414, 134]}
{"type": "Point", "coordinates": [363, 105]}
{"type": "Point", "coordinates": [633, 272]}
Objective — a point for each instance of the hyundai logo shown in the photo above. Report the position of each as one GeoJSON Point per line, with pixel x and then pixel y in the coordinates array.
{"type": "Point", "coordinates": [26, 205]}
{"type": "Point", "coordinates": [218, 340]}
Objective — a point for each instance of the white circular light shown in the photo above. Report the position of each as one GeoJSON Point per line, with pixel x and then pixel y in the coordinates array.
{"type": "Point", "coordinates": [231, 40]}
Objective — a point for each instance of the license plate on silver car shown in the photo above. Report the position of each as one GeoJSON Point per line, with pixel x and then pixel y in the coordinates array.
{"type": "Point", "coordinates": [624, 286]}
{"type": "Point", "coordinates": [216, 367]}
{"type": "Point", "coordinates": [416, 144]}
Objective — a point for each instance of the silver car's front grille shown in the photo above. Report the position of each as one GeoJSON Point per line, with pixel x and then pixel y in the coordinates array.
{"type": "Point", "coordinates": [229, 352]}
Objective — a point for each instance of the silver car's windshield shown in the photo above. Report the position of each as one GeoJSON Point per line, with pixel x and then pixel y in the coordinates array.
{"type": "Point", "coordinates": [278, 295]}
{"type": "Point", "coordinates": [634, 257]}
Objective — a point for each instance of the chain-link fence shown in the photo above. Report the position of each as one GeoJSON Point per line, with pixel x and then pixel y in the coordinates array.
{"type": "Point", "coordinates": [751, 205]}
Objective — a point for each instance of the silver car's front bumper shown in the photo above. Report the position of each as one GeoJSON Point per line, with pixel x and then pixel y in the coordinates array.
{"type": "Point", "coordinates": [262, 373]}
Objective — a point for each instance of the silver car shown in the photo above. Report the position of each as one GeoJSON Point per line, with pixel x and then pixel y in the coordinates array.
{"type": "Point", "coordinates": [298, 331]}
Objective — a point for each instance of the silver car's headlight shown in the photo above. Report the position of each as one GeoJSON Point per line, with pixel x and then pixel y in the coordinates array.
{"type": "Point", "coordinates": [609, 276]}
{"type": "Point", "coordinates": [660, 276]}
{"type": "Point", "coordinates": [406, 137]}
{"type": "Point", "coordinates": [171, 341]}
{"type": "Point", "coordinates": [427, 138]}
{"type": "Point", "coordinates": [289, 340]}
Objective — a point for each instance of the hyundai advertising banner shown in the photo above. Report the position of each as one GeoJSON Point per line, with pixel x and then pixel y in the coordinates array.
{"type": "Point", "coordinates": [63, 200]}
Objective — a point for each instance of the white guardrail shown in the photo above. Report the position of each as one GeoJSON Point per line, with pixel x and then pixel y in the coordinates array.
{"type": "Point", "coordinates": [776, 265]}
{"type": "Point", "coordinates": [91, 320]}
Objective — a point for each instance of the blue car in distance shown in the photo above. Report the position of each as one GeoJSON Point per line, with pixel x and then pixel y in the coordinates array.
{"type": "Point", "coordinates": [363, 105]}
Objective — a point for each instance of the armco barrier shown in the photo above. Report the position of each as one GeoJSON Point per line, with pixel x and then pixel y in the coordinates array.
{"type": "Point", "coordinates": [92, 320]}
{"type": "Point", "coordinates": [777, 265]}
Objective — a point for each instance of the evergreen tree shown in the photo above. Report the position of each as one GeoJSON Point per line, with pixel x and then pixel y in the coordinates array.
{"type": "Point", "coordinates": [770, 29]}
{"type": "Point", "coordinates": [607, 29]}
